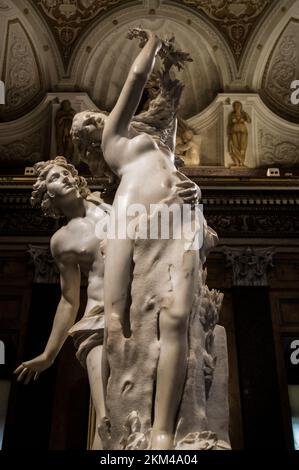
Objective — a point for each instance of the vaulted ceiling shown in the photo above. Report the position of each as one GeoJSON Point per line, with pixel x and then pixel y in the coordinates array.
{"type": "Point", "coordinates": [80, 45]}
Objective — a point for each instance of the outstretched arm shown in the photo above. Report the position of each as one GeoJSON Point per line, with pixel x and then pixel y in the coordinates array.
{"type": "Point", "coordinates": [119, 119]}
{"type": "Point", "coordinates": [64, 318]}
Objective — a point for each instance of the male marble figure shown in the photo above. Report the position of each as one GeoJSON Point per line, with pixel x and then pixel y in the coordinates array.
{"type": "Point", "coordinates": [75, 248]}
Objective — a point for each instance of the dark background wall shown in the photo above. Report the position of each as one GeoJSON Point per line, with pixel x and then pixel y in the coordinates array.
{"type": "Point", "coordinates": [52, 413]}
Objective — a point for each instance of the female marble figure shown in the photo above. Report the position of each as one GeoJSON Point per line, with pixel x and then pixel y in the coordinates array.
{"type": "Point", "coordinates": [75, 248]}
{"type": "Point", "coordinates": [238, 133]}
{"type": "Point", "coordinates": [141, 155]}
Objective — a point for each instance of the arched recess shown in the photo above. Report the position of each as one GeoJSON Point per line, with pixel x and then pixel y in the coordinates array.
{"type": "Point", "coordinates": [281, 70]}
{"type": "Point", "coordinates": [262, 31]}
{"type": "Point", "coordinates": [28, 64]}
{"type": "Point", "coordinates": [273, 62]}
{"type": "Point", "coordinates": [104, 56]}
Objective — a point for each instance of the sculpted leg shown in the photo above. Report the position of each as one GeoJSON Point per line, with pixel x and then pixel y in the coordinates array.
{"type": "Point", "coordinates": [170, 376]}
{"type": "Point", "coordinates": [93, 364]}
{"type": "Point", "coordinates": [118, 273]}
{"type": "Point", "coordinates": [172, 364]}
{"type": "Point", "coordinates": [118, 267]}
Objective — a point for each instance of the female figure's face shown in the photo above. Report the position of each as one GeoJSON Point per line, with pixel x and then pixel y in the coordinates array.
{"type": "Point", "coordinates": [237, 107]}
{"type": "Point", "coordinates": [188, 135]}
{"type": "Point", "coordinates": [60, 182]}
{"type": "Point", "coordinates": [87, 137]}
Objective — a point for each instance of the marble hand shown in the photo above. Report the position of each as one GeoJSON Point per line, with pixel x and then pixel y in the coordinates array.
{"type": "Point", "coordinates": [142, 34]}
{"type": "Point", "coordinates": [189, 192]}
{"type": "Point", "coordinates": [31, 369]}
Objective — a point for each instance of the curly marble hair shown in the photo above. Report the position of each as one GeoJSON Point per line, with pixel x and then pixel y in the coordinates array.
{"type": "Point", "coordinates": [86, 147]}
{"type": "Point", "coordinates": [40, 196]}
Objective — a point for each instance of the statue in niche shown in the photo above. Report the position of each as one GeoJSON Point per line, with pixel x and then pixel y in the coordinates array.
{"type": "Point", "coordinates": [159, 319]}
{"type": "Point", "coordinates": [238, 134]}
{"type": "Point", "coordinates": [63, 124]}
{"type": "Point", "coordinates": [187, 144]}
{"type": "Point", "coordinates": [78, 247]}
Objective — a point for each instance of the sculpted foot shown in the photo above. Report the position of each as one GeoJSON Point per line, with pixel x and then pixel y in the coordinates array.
{"type": "Point", "coordinates": [162, 441]}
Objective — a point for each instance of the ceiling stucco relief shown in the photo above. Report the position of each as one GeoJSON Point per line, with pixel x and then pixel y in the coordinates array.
{"type": "Point", "coordinates": [236, 19]}
{"type": "Point", "coordinates": [281, 69]}
{"type": "Point", "coordinates": [68, 19]}
{"type": "Point", "coordinates": [4, 6]}
{"type": "Point", "coordinates": [275, 150]}
{"type": "Point", "coordinates": [21, 72]}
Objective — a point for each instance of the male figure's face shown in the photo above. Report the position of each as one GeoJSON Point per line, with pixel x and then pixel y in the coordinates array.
{"type": "Point", "coordinates": [60, 182]}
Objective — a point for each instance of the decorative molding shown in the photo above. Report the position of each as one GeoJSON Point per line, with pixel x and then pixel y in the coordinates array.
{"type": "Point", "coordinates": [4, 6]}
{"type": "Point", "coordinates": [249, 265]}
{"type": "Point", "coordinates": [23, 152]}
{"type": "Point", "coordinates": [236, 20]}
{"type": "Point", "coordinates": [19, 218]}
{"type": "Point", "coordinates": [32, 137]}
{"type": "Point", "coordinates": [233, 213]}
{"type": "Point", "coordinates": [45, 269]}
{"type": "Point", "coordinates": [26, 222]}
{"type": "Point", "coordinates": [69, 19]}
{"type": "Point", "coordinates": [21, 75]}
{"type": "Point", "coordinates": [281, 70]}
{"type": "Point", "coordinates": [212, 123]}
{"type": "Point", "coordinates": [277, 151]}
{"type": "Point", "coordinates": [254, 223]}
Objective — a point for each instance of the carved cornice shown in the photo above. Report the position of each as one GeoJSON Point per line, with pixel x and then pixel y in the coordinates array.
{"type": "Point", "coordinates": [233, 212]}
{"type": "Point", "coordinates": [254, 224]}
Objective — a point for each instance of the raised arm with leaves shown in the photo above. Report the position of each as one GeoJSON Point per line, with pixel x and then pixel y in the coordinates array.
{"type": "Point", "coordinates": [118, 122]}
